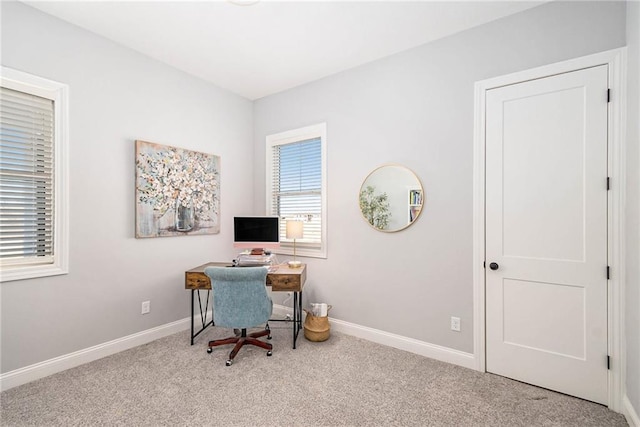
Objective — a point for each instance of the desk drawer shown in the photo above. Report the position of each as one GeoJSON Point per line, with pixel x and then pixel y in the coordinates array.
{"type": "Point", "coordinates": [197, 281]}
{"type": "Point", "coordinates": [284, 282]}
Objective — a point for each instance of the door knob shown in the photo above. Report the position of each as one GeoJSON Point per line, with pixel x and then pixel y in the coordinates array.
{"type": "Point", "coordinates": [494, 266]}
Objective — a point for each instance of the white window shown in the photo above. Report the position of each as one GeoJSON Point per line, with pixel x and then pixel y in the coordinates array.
{"type": "Point", "coordinates": [297, 186]}
{"type": "Point", "coordinates": [33, 176]}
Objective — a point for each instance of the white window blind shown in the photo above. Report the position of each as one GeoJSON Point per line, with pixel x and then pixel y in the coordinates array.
{"type": "Point", "coordinates": [26, 178]}
{"type": "Point", "coordinates": [296, 180]}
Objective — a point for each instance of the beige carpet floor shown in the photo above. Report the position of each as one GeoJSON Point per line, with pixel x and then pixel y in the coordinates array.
{"type": "Point", "coordinates": [344, 381]}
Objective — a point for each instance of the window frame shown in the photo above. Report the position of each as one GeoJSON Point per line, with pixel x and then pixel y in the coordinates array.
{"type": "Point", "coordinates": [298, 135]}
{"type": "Point", "coordinates": [59, 93]}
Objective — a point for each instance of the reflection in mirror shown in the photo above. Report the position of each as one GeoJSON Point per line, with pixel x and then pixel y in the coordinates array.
{"type": "Point", "coordinates": [391, 198]}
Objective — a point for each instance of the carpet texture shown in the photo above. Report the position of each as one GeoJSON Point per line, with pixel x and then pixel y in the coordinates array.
{"type": "Point", "coordinates": [344, 381]}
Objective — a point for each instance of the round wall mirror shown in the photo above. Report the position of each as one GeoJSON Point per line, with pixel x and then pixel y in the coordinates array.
{"type": "Point", "coordinates": [391, 198]}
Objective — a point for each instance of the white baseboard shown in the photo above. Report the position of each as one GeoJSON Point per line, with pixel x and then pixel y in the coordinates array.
{"type": "Point", "coordinates": [58, 364]}
{"type": "Point", "coordinates": [282, 310]}
{"type": "Point", "coordinates": [432, 351]}
{"type": "Point", "coordinates": [630, 412]}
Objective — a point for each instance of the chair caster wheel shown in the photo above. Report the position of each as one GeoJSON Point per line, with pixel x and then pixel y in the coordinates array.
{"type": "Point", "coordinates": [269, 337]}
{"type": "Point", "coordinates": [209, 350]}
{"type": "Point", "coordinates": [269, 353]}
{"type": "Point", "coordinates": [229, 362]}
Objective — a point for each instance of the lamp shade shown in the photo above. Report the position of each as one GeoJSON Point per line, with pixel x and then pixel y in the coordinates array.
{"type": "Point", "coordinates": [294, 229]}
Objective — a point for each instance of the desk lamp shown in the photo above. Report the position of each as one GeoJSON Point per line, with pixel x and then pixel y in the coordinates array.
{"type": "Point", "coordinates": [294, 231]}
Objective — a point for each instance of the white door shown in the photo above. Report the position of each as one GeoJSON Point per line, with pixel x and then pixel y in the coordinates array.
{"type": "Point", "coordinates": [546, 232]}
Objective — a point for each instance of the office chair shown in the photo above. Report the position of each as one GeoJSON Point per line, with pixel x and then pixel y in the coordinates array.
{"type": "Point", "coordinates": [240, 301]}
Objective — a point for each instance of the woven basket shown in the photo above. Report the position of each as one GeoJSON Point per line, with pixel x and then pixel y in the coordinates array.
{"type": "Point", "coordinates": [316, 328]}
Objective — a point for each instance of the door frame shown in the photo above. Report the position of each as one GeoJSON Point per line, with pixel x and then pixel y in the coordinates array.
{"type": "Point", "coordinates": [616, 60]}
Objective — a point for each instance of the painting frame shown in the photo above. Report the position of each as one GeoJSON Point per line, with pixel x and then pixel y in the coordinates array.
{"type": "Point", "coordinates": [177, 191]}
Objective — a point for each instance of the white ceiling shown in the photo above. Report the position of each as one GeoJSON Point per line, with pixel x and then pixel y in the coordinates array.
{"type": "Point", "coordinates": [272, 46]}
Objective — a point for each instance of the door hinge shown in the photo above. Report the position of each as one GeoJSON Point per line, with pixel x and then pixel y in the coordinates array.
{"type": "Point", "coordinates": [608, 184]}
{"type": "Point", "coordinates": [608, 95]}
{"type": "Point", "coordinates": [608, 362]}
{"type": "Point", "coordinates": [608, 273]}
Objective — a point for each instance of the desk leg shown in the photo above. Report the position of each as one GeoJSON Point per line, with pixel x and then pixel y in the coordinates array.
{"type": "Point", "coordinates": [192, 292]}
{"type": "Point", "coordinates": [297, 316]}
{"type": "Point", "coordinates": [203, 314]}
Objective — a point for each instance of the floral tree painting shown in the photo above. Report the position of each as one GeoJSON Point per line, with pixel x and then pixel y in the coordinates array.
{"type": "Point", "coordinates": [177, 191]}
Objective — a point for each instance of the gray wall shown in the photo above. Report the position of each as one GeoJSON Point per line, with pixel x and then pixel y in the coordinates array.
{"type": "Point", "coordinates": [633, 207]}
{"type": "Point", "coordinates": [117, 96]}
{"type": "Point", "coordinates": [416, 108]}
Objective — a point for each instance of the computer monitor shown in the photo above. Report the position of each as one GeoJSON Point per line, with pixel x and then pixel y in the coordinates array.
{"type": "Point", "coordinates": [256, 232]}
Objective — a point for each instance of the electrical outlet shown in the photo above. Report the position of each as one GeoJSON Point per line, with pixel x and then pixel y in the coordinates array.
{"type": "Point", "coordinates": [146, 307]}
{"type": "Point", "coordinates": [455, 324]}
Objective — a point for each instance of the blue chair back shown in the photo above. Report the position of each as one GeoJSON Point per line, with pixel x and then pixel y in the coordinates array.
{"type": "Point", "coordinates": [240, 298]}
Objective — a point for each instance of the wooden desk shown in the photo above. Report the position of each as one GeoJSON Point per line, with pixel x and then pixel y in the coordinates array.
{"type": "Point", "coordinates": [281, 278]}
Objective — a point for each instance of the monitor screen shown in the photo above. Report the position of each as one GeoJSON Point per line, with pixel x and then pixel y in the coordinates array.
{"type": "Point", "coordinates": [256, 232]}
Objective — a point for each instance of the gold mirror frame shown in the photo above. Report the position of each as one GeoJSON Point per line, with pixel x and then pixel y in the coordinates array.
{"type": "Point", "coordinates": [391, 198]}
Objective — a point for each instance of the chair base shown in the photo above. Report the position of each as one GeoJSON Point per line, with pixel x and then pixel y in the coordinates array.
{"type": "Point", "coordinates": [241, 340]}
